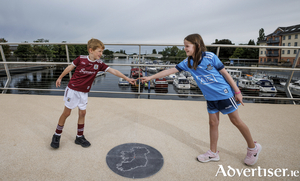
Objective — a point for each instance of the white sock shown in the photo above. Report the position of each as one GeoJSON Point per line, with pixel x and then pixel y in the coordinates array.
{"type": "Point", "coordinates": [252, 148]}
{"type": "Point", "coordinates": [79, 136]}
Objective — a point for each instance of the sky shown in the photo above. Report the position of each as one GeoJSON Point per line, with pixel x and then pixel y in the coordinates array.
{"type": "Point", "coordinates": [143, 21]}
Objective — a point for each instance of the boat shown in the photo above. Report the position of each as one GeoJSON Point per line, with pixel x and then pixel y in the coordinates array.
{"type": "Point", "coordinates": [181, 83]}
{"type": "Point", "coordinates": [266, 86]}
{"type": "Point", "coordinates": [247, 84]}
{"type": "Point", "coordinates": [151, 69]}
{"type": "Point", "coordinates": [123, 82]}
{"type": "Point", "coordinates": [100, 73]}
{"type": "Point", "coordinates": [136, 73]}
{"type": "Point", "coordinates": [170, 78]}
{"type": "Point", "coordinates": [294, 87]}
{"type": "Point", "coordinates": [161, 83]}
{"type": "Point", "coordinates": [235, 74]}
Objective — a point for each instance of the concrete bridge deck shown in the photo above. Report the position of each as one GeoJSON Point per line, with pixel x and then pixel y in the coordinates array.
{"type": "Point", "coordinates": [178, 129]}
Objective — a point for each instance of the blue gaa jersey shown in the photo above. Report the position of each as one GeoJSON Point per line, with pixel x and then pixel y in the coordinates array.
{"type": "Point", "coordinates": [211, 82]}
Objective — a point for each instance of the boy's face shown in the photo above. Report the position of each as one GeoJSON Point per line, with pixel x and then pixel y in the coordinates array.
{"type": "Point", "coordinates": [189, 48]}
{"type": "Point", "coordinates": [95, 54]}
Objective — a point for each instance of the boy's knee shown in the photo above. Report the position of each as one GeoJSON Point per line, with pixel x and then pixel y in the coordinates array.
{"type": "Point", "coordinates": [82, 113]}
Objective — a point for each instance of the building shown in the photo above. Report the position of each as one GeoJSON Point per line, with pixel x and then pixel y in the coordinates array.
{"type": "Point", "coordinates": [282, 36]}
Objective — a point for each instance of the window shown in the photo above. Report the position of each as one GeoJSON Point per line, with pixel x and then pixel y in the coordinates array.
{"type": "Point", "coordinates": [283, 38]}
{"type": "Point", "coordinates": [261, 52]}
{"type": "Point", "coordinates": [290, 37]}
{"type": "Point", "coordinates": [283, 44]}
{"type": "Point", "coordinates": [289, 44]}
{"type": "Point", "coordinates": [289, 51]}
{"type": "Point", "coordinates": [296, 36]}
{"type": "Point", "coordinates": [295, 51]}
{"type": "Point", "coordinates": [295, 44]}
{"type": "Point", "coordinates": [282, 51]}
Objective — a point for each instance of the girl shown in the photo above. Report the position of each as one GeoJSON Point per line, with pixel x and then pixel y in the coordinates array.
{"type": "Point", "coordinates": [220, 91]}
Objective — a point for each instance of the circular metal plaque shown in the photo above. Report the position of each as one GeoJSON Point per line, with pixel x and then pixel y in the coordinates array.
{"type": "Point", "coordinates": [134, 160]}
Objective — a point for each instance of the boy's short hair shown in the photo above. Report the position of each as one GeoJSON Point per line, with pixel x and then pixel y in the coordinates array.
{"type": "Point", "coordinates": [94, 44]}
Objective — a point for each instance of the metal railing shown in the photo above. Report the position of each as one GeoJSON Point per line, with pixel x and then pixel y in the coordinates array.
{"type": "Point", "coordinates": [286, 88]}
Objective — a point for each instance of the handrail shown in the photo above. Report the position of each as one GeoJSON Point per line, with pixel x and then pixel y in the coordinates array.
{"type": "Point", "coordinates": [293, 69]}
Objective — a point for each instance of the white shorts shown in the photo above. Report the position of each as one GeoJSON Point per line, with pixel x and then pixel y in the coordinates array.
{"type": "Point", "coordinates": [74, 99]}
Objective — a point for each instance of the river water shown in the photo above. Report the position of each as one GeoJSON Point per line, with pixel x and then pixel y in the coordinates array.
{"type": "Point", "coordinates": [45, 79]}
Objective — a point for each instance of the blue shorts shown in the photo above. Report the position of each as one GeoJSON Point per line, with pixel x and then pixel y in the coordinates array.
{"type": "Point", "coordinates": [225, 106]}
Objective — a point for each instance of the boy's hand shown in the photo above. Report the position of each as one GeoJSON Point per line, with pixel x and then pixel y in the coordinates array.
{"type": "Point", "coordinates": [58, 81]}
{"type": "Point", "coordinates": [144, 79]}
{"type": "Point", "coordinates": [131, 81]}
{"type": "Point", "coordinates": [239, 98]}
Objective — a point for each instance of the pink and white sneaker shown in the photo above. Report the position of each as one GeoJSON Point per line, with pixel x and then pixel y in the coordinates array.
{"type": "Point", "coordinates": [252, 155]}
{"type": "Point", "coordinates": [209, 156]}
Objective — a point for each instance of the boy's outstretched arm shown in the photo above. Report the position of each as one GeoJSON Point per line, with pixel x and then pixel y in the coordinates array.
{"type": "Point", "coordinates": [160, 74]}
{"type": "Point", "coordinates": [119, 74]}
{"type": "Point", "coordinates": [65, 72]}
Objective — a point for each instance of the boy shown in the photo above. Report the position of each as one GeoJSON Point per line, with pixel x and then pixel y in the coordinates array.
{"type": "Point", "coordinates": [76, 93]}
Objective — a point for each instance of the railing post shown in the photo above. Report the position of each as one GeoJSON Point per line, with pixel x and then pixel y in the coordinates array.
{"type": "Point", "coordinates": [218, 51]}
{"type": "Point", "coordinates": [68, 59]}
{"type": "Point", "coordinates": [287, 84]}
{"type": "Point", "coordinates": [139, 89]}
{"type": "Point", "coordinates": [6, 69]}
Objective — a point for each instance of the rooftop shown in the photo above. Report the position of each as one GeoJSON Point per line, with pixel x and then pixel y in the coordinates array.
{"type": "Point", "coordinates": [178, 129]}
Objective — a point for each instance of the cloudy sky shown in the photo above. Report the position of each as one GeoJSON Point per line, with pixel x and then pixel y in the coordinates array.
{"type": "Point", "coordinates": [143, 21]}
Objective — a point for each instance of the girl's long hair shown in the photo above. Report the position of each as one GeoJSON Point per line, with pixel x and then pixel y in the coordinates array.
{"type": "Point", "coordinates": [200, 47]}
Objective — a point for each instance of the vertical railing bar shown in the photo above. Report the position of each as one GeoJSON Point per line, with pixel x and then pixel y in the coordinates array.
{"type": "Point", "coordinates": [139, 87]}
{"type": "Point", "coordinates": [287, 84]}
{"type": "Point", "coordinates": [68, 59]}
{"type": "Point", "coordinates": [6, 70]}
{"type": "Point", "coordinates": [218, 51]}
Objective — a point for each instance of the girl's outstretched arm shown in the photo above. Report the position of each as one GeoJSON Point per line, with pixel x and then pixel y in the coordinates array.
{"type": "Point", "coordinates": [237, 92]}
{"type": "Point", "coordinates": [159, 75]}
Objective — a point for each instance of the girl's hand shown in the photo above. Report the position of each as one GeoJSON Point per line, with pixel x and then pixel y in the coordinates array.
{"type": "Point", "coordinates": [239, 98]}
{"type": "Point", "coordinates": [144, 79]}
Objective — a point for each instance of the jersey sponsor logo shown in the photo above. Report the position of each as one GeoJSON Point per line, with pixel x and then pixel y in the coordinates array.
{"type": "Point", "coordinates": [207, 79]}
{"type": "Point", "coordinates": [96, 66]}
{"type": "Point", "coordinates": [209, 67]}
{"type": "Point", "coordinates": [86, 72]}
{"type": "Point", "coordinates": [82, 63]}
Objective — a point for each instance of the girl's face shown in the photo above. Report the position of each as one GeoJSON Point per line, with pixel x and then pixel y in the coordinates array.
{"type": "Point", "coordinates": [189, 48]}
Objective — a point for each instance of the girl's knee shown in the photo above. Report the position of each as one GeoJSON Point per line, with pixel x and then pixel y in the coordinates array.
{"type": "Point", "coordinates": [213, 122]}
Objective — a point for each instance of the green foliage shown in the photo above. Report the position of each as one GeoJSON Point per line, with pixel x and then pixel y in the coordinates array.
{"type": "Point", "coordinates": [24, 52]}
{"type": "Point", "coordinates": [5, 48]}
{"type": "Point", "coordinates": [225, 52]}
{"type": "Point", "coordinates": [248, 53]}
{"type": "Point", "coordinates": [261, 35]}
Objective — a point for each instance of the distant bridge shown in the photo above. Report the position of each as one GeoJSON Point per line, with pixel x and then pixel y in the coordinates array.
{"type": "Point", "coordinates": [117, 55]}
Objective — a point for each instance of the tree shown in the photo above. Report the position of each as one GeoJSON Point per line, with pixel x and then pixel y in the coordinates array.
{"type": "Point", "coordinates": [248, 53]}
{"type": "Point", "coordinates": [5, 48]}
{"type": "Point", "coordinates": [154, 51]}
{"type": "Point", "coordinates": [261, 35]}
{"type": "Point", "coordinates": [24, 52]}
{"type": "Point", "coordinates": [42, 51]}
{"type": "Point", "coordinates": [225, 52]}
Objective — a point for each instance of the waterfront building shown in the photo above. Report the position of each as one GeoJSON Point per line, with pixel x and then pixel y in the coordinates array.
{"type": "Point", "coordinates": [282, 36]}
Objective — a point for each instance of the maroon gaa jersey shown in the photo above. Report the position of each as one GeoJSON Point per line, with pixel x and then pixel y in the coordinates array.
{"type": "Point", "coordinates": [85, 73]}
